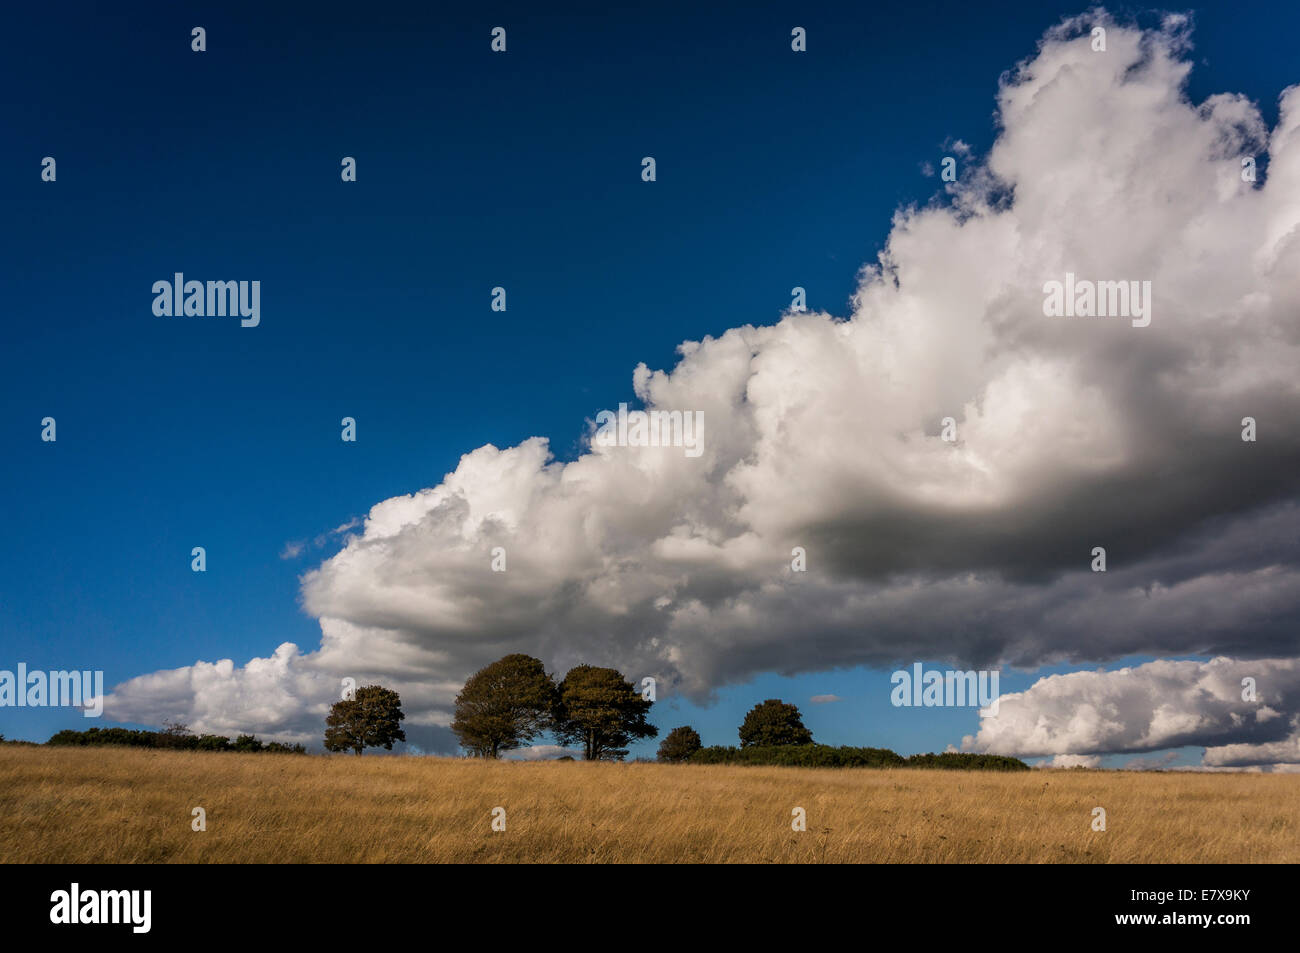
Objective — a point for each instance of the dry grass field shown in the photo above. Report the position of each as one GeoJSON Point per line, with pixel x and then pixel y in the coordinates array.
{"type": "Point", "coordinates": [86, 805]}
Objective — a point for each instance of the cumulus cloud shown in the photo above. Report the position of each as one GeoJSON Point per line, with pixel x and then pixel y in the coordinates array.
{"type": "Point", "coordinates": [542, 753]}
{"type": "Point", "coordinates": [286, 697]}
{"type": "Point", "coordinates": [1245, 712]}
{"type": "Point", "coordinates": [220, 698]}
{"type": "Point", "coordinates": [824, 433]}
{"type": "Point", "coordinates": [1071, 761]}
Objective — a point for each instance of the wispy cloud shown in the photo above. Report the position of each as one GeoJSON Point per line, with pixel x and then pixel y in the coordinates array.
{"type": "Point", "coordinates": [295, 548]}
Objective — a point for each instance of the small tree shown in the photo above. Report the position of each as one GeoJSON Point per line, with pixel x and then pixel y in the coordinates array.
{"type": "Point", "coordinates": [774, 723]}
{"type": "Point", "coordinates": [504, 705]}
{"type": "Point", "coordinates": [370, 719]}
{"type": "Point", "coordinates": [175, 735]}
{"type": "Point", "coordinates": [679, 745]}
{"type": "Point", "coordinates": [602, 711]}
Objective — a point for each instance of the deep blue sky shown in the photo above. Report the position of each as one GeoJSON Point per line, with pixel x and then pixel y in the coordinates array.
{"type": "Point", "coordinates": [475, 170]}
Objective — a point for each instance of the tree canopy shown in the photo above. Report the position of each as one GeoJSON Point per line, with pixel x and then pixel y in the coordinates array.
{"type": "Point", "coordinates": [504, 705]}
{"type": "Point", "coordinates": [774, 722]}
{"type": "Point", "coordinates": [602, 711]}
{"type": "Point", "coordinates": [679, 744]}
{"type": "Point", "coordinates": [370, 719]}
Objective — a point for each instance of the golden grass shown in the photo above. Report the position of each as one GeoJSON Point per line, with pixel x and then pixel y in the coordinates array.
{"type": "Point", "coordinates": [86, 805]}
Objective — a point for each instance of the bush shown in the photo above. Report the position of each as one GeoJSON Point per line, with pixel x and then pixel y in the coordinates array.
{"type": "Point", "coordinates": [826, 756]}
{"type": "Point", "coordinates": [279, 747]}
{"type": "Point", "coordinates": [174, 736]}
{"type": "Point", "coordinates": [804, 756]}
{"type": "Point", "coordinates": [967, 762]}
{"type": "Point", "coordinates": [105, 736]}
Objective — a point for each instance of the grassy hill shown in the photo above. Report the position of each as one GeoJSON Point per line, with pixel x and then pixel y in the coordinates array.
{"type": "Point", "coordinates": [88, 805]}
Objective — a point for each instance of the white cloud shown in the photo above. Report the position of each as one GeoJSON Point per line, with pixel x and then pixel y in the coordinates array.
{"type": "Point", "coordinates": [1071, 761]}
{"type": "Point", "coordinates": [824, 699]}
{"type": "Point", "coordinates": [271, 693]}
{"type": "Point", "coordinates": [824, 433]}
{"type": "Point", "coordinates": [542, 753]}
{"type": "Point", "coordinates": [1151, 707]}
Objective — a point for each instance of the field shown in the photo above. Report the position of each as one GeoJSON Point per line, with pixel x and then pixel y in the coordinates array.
{"type": "Point", "coordinates": [88, 805]}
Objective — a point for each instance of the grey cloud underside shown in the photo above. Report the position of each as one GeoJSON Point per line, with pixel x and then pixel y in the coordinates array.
{"type": "Point", "coordinates": [1230, 587]}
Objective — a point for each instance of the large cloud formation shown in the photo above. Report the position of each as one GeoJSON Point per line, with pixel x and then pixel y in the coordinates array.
{"type": "Point", "coordinates": [825, 433]}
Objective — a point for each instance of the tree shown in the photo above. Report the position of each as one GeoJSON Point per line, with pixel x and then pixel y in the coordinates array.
{"type": "Point", "coordinates": [680, 744]}
{"type": "Point", "coordinates": [368, 720]}
{"type": "Point", "coordinates": [602, 711]}
{"type": "Point", "coordinates": [175, 735]}
{"type": "Point", "coordinates": [504, 706]}
{"type": "Point", "coordinates": [774, 723]}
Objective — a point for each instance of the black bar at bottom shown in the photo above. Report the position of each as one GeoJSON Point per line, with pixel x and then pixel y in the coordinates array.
{"type": "Point", "coordinates": [315, 902]}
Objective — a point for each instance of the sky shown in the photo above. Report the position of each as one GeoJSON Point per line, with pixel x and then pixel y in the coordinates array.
{"type": "Point", "coordinates": [774, 169]}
